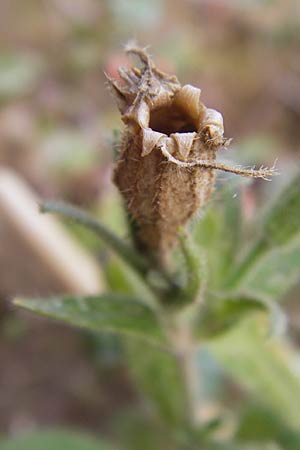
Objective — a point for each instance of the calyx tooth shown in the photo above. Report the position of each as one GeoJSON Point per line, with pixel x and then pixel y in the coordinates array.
{"type": "Point", "coordinates": [184, 142]}
{"type": "Point", "coordinates": [150, 140]}
{"type": "Point", "coordinates": [139, 114]}
{"type": "Point", "coordinates": [188, 100]}
{"type": "Point", "coordinates": [143, 114]}
{"type": "Point", "coordinates": [213, 117]}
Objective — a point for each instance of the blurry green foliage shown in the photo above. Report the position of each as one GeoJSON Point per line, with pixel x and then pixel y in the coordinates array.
{"type": "Point", "coordinates": [262, 367]}
{"type": "Point", "coordinates": [54, 440]}
{"type": "Point", "coordinates": [19, 73]}
{"type": "Point", "coordinates": [67, 152]}
{"type": "Point", "coordinates": [167, 394]}
{"type": "Point", "coordinates": [138, 432]}
{"type": "Point", "coordinates": [227, 311]}
{"type": "Point", "coordinates": [259, 424]}
{"type": "Point", "coordinates": [141, 12]}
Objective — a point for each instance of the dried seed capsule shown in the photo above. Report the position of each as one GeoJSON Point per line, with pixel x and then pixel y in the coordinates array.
{"type": "Point", "coordinates": [165, 170]}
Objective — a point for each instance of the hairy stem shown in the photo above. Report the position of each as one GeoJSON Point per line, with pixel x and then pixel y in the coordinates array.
{"type": "Point", "coordinates": [262, 172]}
{"type": "Point", "coordinates": [185, 349]}
{"type": "Point", "coordinates": [126, 252]}
{"type": "Point", "coordinates": [186, 359]}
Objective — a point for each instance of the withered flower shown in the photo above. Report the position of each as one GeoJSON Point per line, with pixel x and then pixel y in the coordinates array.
{"type": "Point", "coordinates": [167, 160]}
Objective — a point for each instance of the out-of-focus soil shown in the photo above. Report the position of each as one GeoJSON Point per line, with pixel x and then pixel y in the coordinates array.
{"type": "Point", "coordinates": [47, 377]}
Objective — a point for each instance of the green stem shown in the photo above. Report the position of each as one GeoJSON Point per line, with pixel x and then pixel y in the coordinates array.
{"type": "Point", "coordinates": [185, 350]}
{"type": "Point", "coordinates": [181, 342]}
{"type": "Point", "coordinates": [179, 331]}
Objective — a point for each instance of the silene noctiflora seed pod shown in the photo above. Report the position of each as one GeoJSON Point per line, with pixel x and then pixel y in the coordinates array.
{"type": "Point", "coordinates": [167, 157]}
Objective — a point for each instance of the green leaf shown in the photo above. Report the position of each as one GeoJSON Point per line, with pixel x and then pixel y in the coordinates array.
{"type": "Point", "coordinates": [240, 446]}
{"type": "Point", "coordinates": [219, 315]}
{"type": "Point", "coordinates": [218, 233]}
{"type": "Point", "coordinates": [231, 232]}
{"type": "Point", "coordinates": [207, 235]}
{"type": "Point", "coordinates": [194, 268]}
{"type": "Point", "coordinates": [273, 274]}
{"type": "Point", "coordinates": [54, 440]}
{"type": "Point", "coordinates": [114, 313]}
{"type": "Point", "coordinates": [263, 367]}
{"type": "Point", "coordinates": [122, 278]}
{"type": "Point", "coordinates": [139, 432]}
{"type": "Point", "coordinates": [258, 424]}
{"type": "Point", "coordinates": [158, 376]}
{"type": "Point", "coordinates": [281, 226]}
{"type": "Point", "coordinates": [125, 251]}
{"type": "Point", "coordinates": [282, 222]}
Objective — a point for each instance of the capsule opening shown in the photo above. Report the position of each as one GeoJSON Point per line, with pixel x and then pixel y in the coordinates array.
{"type": "Point", "coordinates": [170, 120]}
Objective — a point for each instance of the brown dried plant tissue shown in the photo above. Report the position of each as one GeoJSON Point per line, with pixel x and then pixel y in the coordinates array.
{"type": "Point", "coordinates": [167, 159]}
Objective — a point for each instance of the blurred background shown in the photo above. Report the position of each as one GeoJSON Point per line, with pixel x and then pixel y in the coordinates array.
{"type": "Point", "coordinates": [58, 126]}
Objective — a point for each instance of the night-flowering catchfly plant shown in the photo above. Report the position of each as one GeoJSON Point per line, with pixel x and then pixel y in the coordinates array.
{"type": "Point", "coordinates": [167, 160]}
{"type": "Point", "coordinates": [179, 289]}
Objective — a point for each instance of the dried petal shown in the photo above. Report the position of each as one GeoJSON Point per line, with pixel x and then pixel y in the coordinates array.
{"type": "Point", "coordinates": [188, 100]}
{"type": "Point", "coordinates": [184, 142]}
{"type": "Point", "coordinates": [212, 127]}
{"type": "Point", "coordinates": [150, 140]}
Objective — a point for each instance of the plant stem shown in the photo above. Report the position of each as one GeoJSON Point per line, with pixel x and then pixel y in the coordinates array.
{"type": "Point", "coordinates": [126, 252]}
{"type": "Point", "coordinates": [187, 362]}
{"type": "Point", "coordinates": [185, 351]}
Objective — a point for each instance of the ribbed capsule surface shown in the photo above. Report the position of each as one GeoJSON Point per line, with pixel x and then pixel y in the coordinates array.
{"type": "Point", "coordinates": [166, 124]}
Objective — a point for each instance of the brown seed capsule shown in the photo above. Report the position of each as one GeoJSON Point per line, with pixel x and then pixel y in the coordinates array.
{"type": "Point", "coordinates": [167, 159]}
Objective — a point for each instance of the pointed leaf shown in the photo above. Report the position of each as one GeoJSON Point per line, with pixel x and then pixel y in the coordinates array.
{"type": "Point", "coordinates": [219, 315]}
{"type": "Point", "coordinates": [282, 222]}
{"type": "Point", "coordinates": [231, 227]}
{"type": "Point", "coordinates": [194, 269]}
{"type": "Point", "coordinates": [218, 233]}
{"type": "Point", "coordinates": [114, 313]}
{"type": "Point", "coordinates": [273, 274]}
{"type": "Point", "coordinates": [281, 226]}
